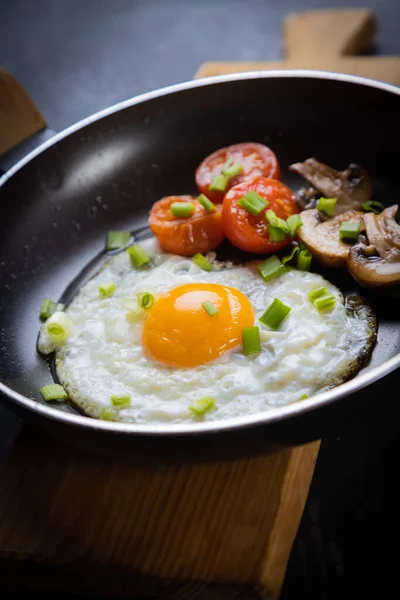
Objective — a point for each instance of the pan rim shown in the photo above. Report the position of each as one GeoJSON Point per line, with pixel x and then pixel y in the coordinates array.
{"type": "Point", "coordinates": [234, 423]}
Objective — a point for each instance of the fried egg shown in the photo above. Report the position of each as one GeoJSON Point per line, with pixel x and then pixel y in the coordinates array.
{"type": "Point", "coordinates": [175, 353]}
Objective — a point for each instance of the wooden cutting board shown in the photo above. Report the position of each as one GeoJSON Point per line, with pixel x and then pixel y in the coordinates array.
{"type": "Point", "coordinates": [75, 522]}
{"type": "Point", "coordinates": [327, 40]}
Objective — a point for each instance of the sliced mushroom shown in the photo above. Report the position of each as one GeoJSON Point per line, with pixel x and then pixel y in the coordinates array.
{"type": "Point", "coordinates": [377, 263]}
{"type": "Point", "coordinates": [322, 237]}
{"type": "Point", "coordinates": [351, 187]}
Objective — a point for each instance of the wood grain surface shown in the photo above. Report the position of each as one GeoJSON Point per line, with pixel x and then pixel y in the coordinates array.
{"type": "Point", "coordinates": [190, 526]}
{"type": "Point", "coordinates": [19, 117]}
{"type": "Point", "coordinates": [326, 40]}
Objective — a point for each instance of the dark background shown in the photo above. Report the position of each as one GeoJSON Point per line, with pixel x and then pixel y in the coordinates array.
{"type": "Point", "coordinates": [76, 57]}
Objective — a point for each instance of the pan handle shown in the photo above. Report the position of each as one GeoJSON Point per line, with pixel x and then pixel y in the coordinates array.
{"type": "Point", "coordinates": [22, 126]}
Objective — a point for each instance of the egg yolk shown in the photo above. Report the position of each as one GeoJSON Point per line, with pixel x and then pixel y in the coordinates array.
{"type": "Point", "coordinates": [179, 332]}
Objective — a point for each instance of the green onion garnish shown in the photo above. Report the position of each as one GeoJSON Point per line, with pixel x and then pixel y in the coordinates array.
{"type": "Point", "coordinates": [145, 300]}
{"type": "Point", "coordinates": [182, 209]}
{"type": "Point", "coordinates": [117, 239]}
{"type": "Point", "coordinates": [231, 169]}
{"type": "Point", "coordinates": [206, 203]}
{"type": "Point", "coordinates": [59, 326]}
{"type": "Point", "coordinates": [253, 203]}
{"type": "Point", "coordinates": [276, 221]}
{"type": "Point", "coordinates": [138, 256]}
{"type": "Point", "coordinates": [108, 414]}
{"type": "Point", "coordinates": [202, 262]}
{"type": "Point", "coordinates": [349, 230]}
{"type": "Point", "coordinates": [372, 206]}
{"type": "Point", "coordinates": [251, 343]}
{"type": "Point", "coordinates": [219, 183]}
{"type": "Point", "coordinates": [47, 308]}
{"type": "Point", "coordinates": [275, 314]}
{"type": "Point", "coordinates": [316, 293]}
{"type": "Point", "coordinates": [53, 391]}
{"type": "Point", "coordinates": [294, 222]}
{"type": "Point", "coordinates": [304, 259]}
{"type": "Point", "coordinates": [271, 267]}
{"type": "Point", "coordinates": [210, 308]}
{"type": "Point", "coordinates": [292, 254]}
{"type": "Point", "coordinates": [203, 405]}
{"type": "Point", "coordinates": [227, 165]}
{"type": "Point", "coordinates": [325, 302]}
{"type": "Point", "coordinates": [303, 397]}
{"type": "Point", "coordinates": [107, 289]}
{"type": "Point", "coordinates": [276, 234]}
{"type": "Point", "coordinates": [121, 401]}
{"type": "Point", "coordinates": [327, 205]}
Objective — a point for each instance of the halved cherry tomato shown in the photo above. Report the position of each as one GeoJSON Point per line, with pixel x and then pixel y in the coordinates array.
{"type": "Point", "coordinates": [249, 232]}
{"type": "Point", "coordinates": [201, 232]}
{"type": "Point", "coordinates": [256, 159]}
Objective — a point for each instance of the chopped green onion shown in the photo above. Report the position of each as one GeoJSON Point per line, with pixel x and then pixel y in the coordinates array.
{"type": "Point", "coordinates": [182, 209]}
{"type": "Point", "coordinates": [271, 267]}
{"type": "Point", "coordinates": [276, 234]}
{"type": "Point", "coordinates": [219, 183]}
{"type": "Point", "coordinates": [107, 289]}
{"type": "Point", "coordinates": [327, 205]}
{"type": "Point", "coordinates": [292, 254]}
{"type": "Point", "coordinates": [253, 203]}
{"type": "Point", "coordinates": [145, 300]}
{"type": "Point", "coordinates": [227, 165]}
{"type": "Point", "coordinates": [121, 401]}
{"type": "Point", "coordinates": [53, 391]}
{"type": "Point", "coordinates": [303, 397]}
{"type": "Point", "coordinates": [108, 414]}
{"type": "Point", "coordinates": [59, 326]}
{"type": "Point", "coordinates": [138, 256]}
{"type": "Point", "coordinates": [275, 314]}
{"type": "Point", "coordinates": [203, 405]}
{"type": "Point", "coordinates": [294, 222]}
{"type": "Point", "coordinates": [47, 308]}
{"type": "Point", "coordinates": [202, 262]}
{"type": "Point", "coordinates": [210, 308]}
{"type": "Point", "coordinates": [231, 170]}
{"type": "Point", "coordinates": [276, 221]}
{"type": "Point", "coordinates": [349, 230]}
{"type": "Point", "coordinates": [206, 203]}
{"type": "Point", "coordinates": [372, 206]}
{"type": "Point", "coordinates": [304, 259]}
{"type": "Point", "coordinates": [117, 239]}
{"type": "Point", "coordinates": [251, 340]}
{"type": "Point", "coordinates": [325, 302]}
{"type": "Point", "coordinates": [316, 293]}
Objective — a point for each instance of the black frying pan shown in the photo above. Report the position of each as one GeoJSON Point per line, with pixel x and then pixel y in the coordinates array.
{"type": "Point", "coordinates": [58, 203]}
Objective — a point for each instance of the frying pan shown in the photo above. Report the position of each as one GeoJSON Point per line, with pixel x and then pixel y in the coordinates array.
{"type": "Point", "coordinates": [57, 204]}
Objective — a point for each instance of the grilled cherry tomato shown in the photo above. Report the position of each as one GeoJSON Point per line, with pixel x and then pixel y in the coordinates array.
{"type": "Point", "coordinates": [249, 232]}
{"type": "Point", "coordinates": [200, 232]}
{"type": "Point", "coordinates": [256, 160]}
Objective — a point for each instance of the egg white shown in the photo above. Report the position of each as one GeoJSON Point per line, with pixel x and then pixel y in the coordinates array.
{"type": "Point", "coordinates": [104, 355]}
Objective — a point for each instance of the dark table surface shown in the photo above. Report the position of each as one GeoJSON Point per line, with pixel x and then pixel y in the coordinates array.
{"type": "Point", "coordinates": [76, 57]}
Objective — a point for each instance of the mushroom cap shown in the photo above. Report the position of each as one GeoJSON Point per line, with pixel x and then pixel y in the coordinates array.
{"type": "Point", "coordinates": [351, 187]}
{"type": "Point", "coordinates": [377, 264]}
{"type": "Point", "coordinates": [321, 237]}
